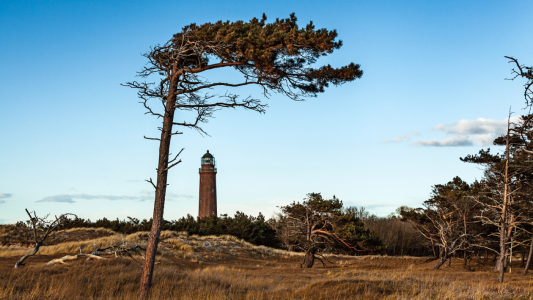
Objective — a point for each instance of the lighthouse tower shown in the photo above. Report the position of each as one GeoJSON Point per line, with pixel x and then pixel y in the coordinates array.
{"type": "Point", "coordinates": [208, 187]}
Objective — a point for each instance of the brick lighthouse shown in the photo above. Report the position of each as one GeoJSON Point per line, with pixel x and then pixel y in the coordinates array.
{"type": "Point", "coordinates": [208, 187]}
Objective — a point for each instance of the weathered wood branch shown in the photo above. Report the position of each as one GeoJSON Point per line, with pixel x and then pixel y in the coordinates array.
{"type": "Point", "coordinates": [98, 253]}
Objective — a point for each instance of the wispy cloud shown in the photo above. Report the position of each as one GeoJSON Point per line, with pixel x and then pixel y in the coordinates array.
{"type": "Point", "coordinates": [58, 198]}
{"type": "Point", "coordinates": [406, 136]}
{"type": "Point", "coordinates": [453, 141]}
{"type": "Point", "coordinates": [479, 126]}
{"type": "Point", "coordinates": [173, 195]}
{"type": "Point", "coordinates": [143, 196]}
{"type": "Point", "coordinates": [480, 132]}
{"type": "Point", "coordinates": [3, 196]}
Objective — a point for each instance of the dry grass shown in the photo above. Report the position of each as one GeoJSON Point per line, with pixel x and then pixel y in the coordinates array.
{"type": "Point", "coordinates": [180, 245]}
{"type": "Point", "coordinates": [228, 268]}
{"type": "Point", "coordinates": [88, 245]}
{"type": "Point", "coordinates": [269, 278]}
{"type": "Point", "coordinates": [11, 235]}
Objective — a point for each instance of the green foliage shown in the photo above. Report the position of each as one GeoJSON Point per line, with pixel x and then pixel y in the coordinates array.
{"type": "Point", "coordinates": [278, 55]}
{"type": "Point", "coordinates": [323, 224]}
{"type": "Point", "coordinates": [353, 230]}
{"type": "Point", "coordinates": [251, 229]}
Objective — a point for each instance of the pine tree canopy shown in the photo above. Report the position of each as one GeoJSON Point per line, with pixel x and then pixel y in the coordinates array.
{"type": "Point", "coordinates": [278, 56]}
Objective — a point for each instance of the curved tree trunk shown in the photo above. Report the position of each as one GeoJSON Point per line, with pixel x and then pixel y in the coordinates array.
{"type": "Point", "coordinates": [31, 253]}
{"type": "Point", "coordinates": [442, 261]}
{"type": "Point", "coordinates": [309, 258]}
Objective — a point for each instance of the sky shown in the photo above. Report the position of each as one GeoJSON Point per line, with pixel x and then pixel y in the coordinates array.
{"type": "Point", "coordinates": [433, 90]}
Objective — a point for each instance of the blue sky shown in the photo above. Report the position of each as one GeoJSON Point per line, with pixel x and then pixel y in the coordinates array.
{"type": "Point", "coordinates": [433, 90]}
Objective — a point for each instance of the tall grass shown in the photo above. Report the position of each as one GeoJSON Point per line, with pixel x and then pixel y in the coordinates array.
{"type": "Point", "coordinates": [260, 279]}
{"type": "Point", "coordinates": [182, 273]}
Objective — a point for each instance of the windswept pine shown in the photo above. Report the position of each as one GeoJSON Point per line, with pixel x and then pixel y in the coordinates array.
{"type": "Point", "coordinates": [277, 57]}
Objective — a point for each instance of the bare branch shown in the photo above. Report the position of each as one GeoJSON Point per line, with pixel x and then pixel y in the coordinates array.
{"type": "Point", "coordinates": [150, 181]}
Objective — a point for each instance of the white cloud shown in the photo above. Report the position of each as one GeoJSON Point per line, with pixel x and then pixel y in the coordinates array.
{"type": "Point", "coordinates": [484, 139]}
{"type": "Point", "coordinates": [406, 136]}
{"type": "Point", "coordinates": [480, 132]}
{"type": "Point", "coordinates": [459, 140]}
{"type": "Point", "coordinates": [479, 126]}
{"type": "Point", "coordinates": [5, 195]}
{"type": "Point", "coordinates": [144, 196]}
{"type": "Point", "coordinates": [174, 195]}
{"type": "Point", "coordinates": [58, 198]}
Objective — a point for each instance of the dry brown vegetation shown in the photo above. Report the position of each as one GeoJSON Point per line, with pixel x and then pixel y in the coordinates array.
{"type": "Point", "coordinates": [20, 236]}
{"type": "Point", "coordinates": [192, 267]}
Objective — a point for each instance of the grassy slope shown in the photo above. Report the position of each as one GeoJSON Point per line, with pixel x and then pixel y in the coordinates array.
{"type": "Point", "coordinates": [226, 268]}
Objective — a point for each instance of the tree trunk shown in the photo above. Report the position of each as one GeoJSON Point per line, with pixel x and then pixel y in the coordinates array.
{"type": "Point", "coordinates": [501, 260]}
{"type": "Point", "coordinates": [441, 262]}
{"type": "Point", "coordinates": [309, 259]}
{"type": "Point", "coordinates": [450, 262]}
{"type": "Point", "coordinates": [31, 253]}
{"type": "Point", "coordinates": [503, 218]}
{"type": "Point", "coordinates": [529, 257]}
{"type": "Point", "coordinates": [465, 259]}
{"type": "Point", "coordinates": [159, 205]}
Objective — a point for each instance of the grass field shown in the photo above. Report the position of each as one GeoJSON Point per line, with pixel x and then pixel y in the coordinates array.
{"type": "Point", "coordinates": [226, 268]}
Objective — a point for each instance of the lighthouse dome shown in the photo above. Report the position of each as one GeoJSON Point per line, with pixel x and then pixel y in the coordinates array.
{"type": "Point", "coordinates": [208, 159]}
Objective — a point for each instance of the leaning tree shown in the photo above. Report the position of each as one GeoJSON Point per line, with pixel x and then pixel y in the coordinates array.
{"type": "Point", "coordinates": [278, 57]}
{"type": "Point", "coordinates": [42, 227]}
{"type": "Point", "coordinates": [319, 224]}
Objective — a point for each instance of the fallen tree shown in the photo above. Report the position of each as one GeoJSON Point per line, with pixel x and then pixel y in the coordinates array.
{"type": "Point", "coordinates": [98, 253]}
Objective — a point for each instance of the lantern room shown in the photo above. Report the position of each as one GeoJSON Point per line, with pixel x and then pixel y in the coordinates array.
{"type": "Point", "coordinates": [208, 159]}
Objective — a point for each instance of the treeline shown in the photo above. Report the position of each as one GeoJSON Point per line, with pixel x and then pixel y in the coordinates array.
{"type": "Point", "coordinates": [397, 236]}
{"type": "Point", "coordinates": [381, 235]}
{"type": "Point", "coordinates": [249, 228]}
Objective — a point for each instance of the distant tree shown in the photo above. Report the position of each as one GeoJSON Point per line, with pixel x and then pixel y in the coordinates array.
{"type": "Point", "coordinates": [277, 57]}
{"type": "Point", "coordinates": [255, 230]}
{"type": "Point", "coordinates": [320, 224]}
{"type": "Point", "coordinates": [398, 237]}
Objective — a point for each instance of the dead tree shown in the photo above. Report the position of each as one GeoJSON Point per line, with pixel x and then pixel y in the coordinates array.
{"type": "Point", "coordinates": [46, 226]}
{"type": "Point", "coordinates": [505, 177]}
{"type": "Point", "coordinates": [277, 57]}
{"type": "Point", "coordinates": [99, 253]}
{"type": "Point", "coordinates": [525, 72]}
